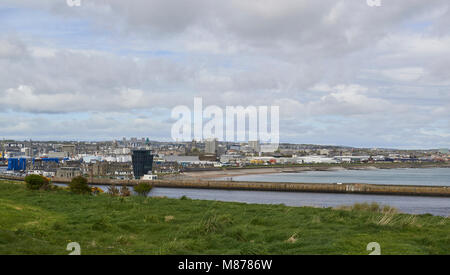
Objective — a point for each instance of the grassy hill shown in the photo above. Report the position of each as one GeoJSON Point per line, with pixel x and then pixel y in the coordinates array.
{"type": "Point", "coordinates": [44, 222]}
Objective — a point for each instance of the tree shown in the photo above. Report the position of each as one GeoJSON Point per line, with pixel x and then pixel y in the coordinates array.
{"type": "Point", "coordinates": [79, 185]}
{"type": "Point", "coordinates": [142, 188]}
{"type": "Point", "coordinates": [37, 182]}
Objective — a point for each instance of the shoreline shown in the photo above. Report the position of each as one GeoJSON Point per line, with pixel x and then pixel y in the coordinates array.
{"type": "Point", "coordinates": [236, 172]}
{"type": "Point", "coordinates": [206, 180]}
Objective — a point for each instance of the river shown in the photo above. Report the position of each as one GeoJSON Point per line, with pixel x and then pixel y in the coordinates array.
{"type": "Point", "coordinates": [406, 204]}
{"type": "Point", "coordinates": [405, 176]}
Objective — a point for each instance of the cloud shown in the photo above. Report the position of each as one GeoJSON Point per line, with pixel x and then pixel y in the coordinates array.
{"type": "Point", "coordinates": [11, 48]}
{"type": "Point", "coordinates": [341, 71]}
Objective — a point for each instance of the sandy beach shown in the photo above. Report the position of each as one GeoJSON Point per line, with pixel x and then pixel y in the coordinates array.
{"type": "Point", "coordinates": [235, 172]}
{"type": "Point", "coordinates": [230, 173]}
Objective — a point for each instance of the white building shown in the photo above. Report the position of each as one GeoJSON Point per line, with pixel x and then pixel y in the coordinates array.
{"type": "Point", "coordinates": [211, 146]}
{"type": "Point", "coordinates": [315, 159]}
{"type": "Point", "coordinates": [352, 158]}
{"type": "Point", "coordinates": [122, 151]}
{"type": "Point", "coordinates": [149, 177]}
{"type": "Point", "coordinates": [254, 145]}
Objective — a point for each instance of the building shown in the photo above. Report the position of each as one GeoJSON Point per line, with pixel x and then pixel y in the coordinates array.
{"type": "Point", "coordinates": [60, 155]}
{"type": "Point", "coordinates": [17, 164]}
{"type": "Point", "coordinates": [27, 151]}
{"type": "Point", "coordinates": [352, 158]}
{"type": "Point", "coordinates": [235, 158]}
{"type": "Point", "coordinates": [182, 160]}
{"type": "Point", "coordinates": [149, 177]}
{"type": "Point", "coordinates": [166, 166]}
{"type": "Point", "coordinates": [142, 161]}
{"type": "Point", "coordinates": [211, 146]}
{"type": "Point", "coordinates": [316, 159]}
{"type": "Point", "coordinates": [254, 145]}
{"type": "Point", "coordinates": [68, 172]}
{"type": "Point", "coordinates": [122, 151]}
{"type": "Point", "coordinates": [44, 164]}
{"type": "Point", "coordinates": [110, 169]}
{"type": "Point", "coordinates": [69, 149]}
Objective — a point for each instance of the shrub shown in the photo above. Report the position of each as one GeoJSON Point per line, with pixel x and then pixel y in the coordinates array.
{"type": "Point", "coordinates": [142, 189]}
{"type": "Point", "coordinates": [79, 185]}
{"type": "Point", "coordinates": [113, 190]}
{"type": "Point", "coordinates": [56, 188]}
{"type": "Point", "coordinates": [124, 191]}
{"type": "Point", "coordinates": [37, 182]}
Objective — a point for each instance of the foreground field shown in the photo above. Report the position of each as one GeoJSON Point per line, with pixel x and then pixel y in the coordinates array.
{"type": "Point", "coordinates": [39, 222]}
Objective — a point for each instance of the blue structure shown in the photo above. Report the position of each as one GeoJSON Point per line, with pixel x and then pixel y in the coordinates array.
{"type": "Point", "coordinates": [15, 164]}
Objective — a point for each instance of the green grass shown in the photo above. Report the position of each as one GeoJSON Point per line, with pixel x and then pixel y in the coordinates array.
{"type": "Point", "coordinates": [40, 222]}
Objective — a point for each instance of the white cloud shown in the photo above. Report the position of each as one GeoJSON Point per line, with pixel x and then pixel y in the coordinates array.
{"type": "Point", "coordinates": [11, 48]}
{"type": "Point", "coordinates": [381, 74]}
{"type": "Point", "coordinates": [404, 74]}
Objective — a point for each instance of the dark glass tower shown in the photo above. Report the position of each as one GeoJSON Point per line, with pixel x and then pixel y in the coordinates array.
{"type": "Point", "coordinates": [142, 162]}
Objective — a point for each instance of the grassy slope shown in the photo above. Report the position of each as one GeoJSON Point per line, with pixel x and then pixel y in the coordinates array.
{"type": "Point", "coordinates": [35, 222]}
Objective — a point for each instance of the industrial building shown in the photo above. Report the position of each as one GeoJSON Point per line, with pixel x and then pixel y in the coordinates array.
{"type": "Point", "coordinates": [17, 164]}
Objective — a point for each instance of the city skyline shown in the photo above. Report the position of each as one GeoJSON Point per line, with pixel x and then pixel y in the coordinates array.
{"type": "Point", "coordinates": [250, 143]}
{"type": "Point", "coordinates": [343, 73]}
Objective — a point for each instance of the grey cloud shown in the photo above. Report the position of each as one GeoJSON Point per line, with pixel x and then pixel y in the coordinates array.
{"type": "Point", "coordinates": [392, 71]}
{"type": "Point", "coordinates": [11, 48]}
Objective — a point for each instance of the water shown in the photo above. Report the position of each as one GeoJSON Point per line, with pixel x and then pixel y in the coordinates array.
{"type": "Point", "coordinates": [405, 176]}
{"type": "Point", "coordinates": [406, 204]}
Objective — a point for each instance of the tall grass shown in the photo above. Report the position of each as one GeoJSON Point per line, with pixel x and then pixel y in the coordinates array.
{"type": "Point", "coordinates": [38, 222]}
{"type": "Point", "coordinates": [372, 207]}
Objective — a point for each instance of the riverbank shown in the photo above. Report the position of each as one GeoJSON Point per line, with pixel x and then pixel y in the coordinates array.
{"type": "Point", "coordinates": [37, 222]}
{"type": "Point", "coordinates": [261, 170]}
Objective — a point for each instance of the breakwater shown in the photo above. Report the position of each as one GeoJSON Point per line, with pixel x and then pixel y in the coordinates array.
{"type": "Point", "coordinates": [347, 188]}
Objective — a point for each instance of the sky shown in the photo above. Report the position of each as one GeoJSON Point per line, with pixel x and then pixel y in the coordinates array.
{"type": "Point", "coordinates": [342, 72]}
